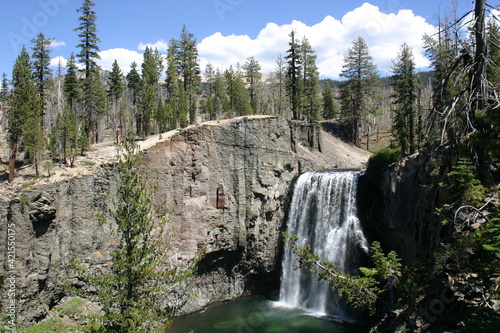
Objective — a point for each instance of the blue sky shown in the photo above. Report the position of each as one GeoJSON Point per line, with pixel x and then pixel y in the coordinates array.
{"type": "Point", "coordinates": [228, 31]}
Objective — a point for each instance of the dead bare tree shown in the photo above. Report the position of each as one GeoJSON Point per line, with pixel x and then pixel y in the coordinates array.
{"type": "Point", "coordinates": [468, 75]}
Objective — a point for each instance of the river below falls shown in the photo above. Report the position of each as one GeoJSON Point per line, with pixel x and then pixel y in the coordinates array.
{"type": "Point", "coordinates": [259, 315]}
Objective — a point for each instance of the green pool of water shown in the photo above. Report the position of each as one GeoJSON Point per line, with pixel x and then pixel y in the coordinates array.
{"type": "Point", "coordinates": [258, 315]}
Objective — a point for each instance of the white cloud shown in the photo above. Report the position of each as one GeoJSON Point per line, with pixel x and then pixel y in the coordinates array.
{"type": "Point", "coordinates": [384, 34]}
{"type": "Point", "coordinates": [124, 58]}
{"type": "Point", "coordinates": [54, 62]}
{"type": "Point", "coordinates": [56, 44]}
{"type": "Point", "coordinates": [161, 45]}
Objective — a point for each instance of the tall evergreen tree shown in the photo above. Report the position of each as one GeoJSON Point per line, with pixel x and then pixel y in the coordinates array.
{"type": "Point", "coordinates": [95, 104]}
{"type": "Point", "coordinates": [406, 88]}
{"type": "Point", "coordinates": [279, 84]}
{"type": "Point", "coordinates": [330, 109]}
{"type": "Point", "coordinates": [208, 104]}
{"type": "Point", "coordinates": [221, 101]}
{"type": "Point", "coordinates": [130, 293]}
{"type": "Point", "coordinates": [189, 69]}
{"type": "Point", "coordinates": [71, 85]}
{"type": "Point", "coordinates": [253, 77]}
{"type": "Point", "coordinates": [87, 29]}
{"type": "Point", "coordinates": [115, 82]}
{"type": "Point", "coordinates": [152, 67]}
{"type": "Point", "coordinates": [310, 101]}
{"type": "Point", "coordinates": [134, 83]}
{"type": "Point", "coordinates": [4, 89]}
{"type": "Point", "coordinates": [115, 91]}
{"type": "Point", "coordinates": [42, 71]}
{"type": "Point", "coordinates": [172, 83]}
{"type": "Point", "coordinates": [64, 136]}
{"type": "Point", "coordinates": [24, 110]}
{"type": "Point", "coordinates": [361, 81]}
{"type": "Point", "coordinates": [239, 100]}
{"type": "Point", "coordinates": [293, 75]}
{"type": "Point", "coordinates": [89, 49]}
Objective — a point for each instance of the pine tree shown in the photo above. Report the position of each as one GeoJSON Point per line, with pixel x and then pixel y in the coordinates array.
{"type": "Point", "coordinates": [88, 37]}
{"type": "Point", "coordinates": [361, 81]}
{"type": "Point", "coordinates": [293, 75]}
{"type": "Point", "coordinates": [115, 92]}
{"type": "Point", "coordinates": [65, 136]}
{"type": "Point", "coordinates": [172, 85]}
{"type": "Point", "coordinates": [95, 101]}
{"type": "Point", "coordinates": [253, 76]}
{"type": "Point", "coordinates": [239, 100]}
{"type": "Point", "coordinates": [221, 100]}
{"type": "Point", "coordinates": [4, 89]}
{"type": "Point", "coordinates": [189, 69]}
{"type": "Point", "coordinates": [279, 84]}
{"type": "Point", "coordinates": [310, 82]}
{"type": "Point", "coordinates": [130, 292]}
{"type": "Point", "coordinates": [71, 85]}
{"type": "Point", "coordinates": [330, 110]}
{"type": "Point", "coordinates": [89, 49]}
{"type": "Point", "coordinates": [134, 83]}
{"type": "Point", "coordinates": [23, 111]}
{"type": "Point", "coordinates": [208, 104]}
{"type": "Point", "coordinates": [33, 141]}
{"type": "Point", "coordinates": [42, 71]}
{"type": "Point", "coordinates": [152, 68]}
{"type": "Point", "coordinates": [406, 87]}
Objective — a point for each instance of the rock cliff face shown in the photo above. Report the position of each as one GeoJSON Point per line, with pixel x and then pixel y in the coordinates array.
{"type": "Point", "coordinates": [400, 210]}
{"type": "Point", "coordinates": [225, 184]}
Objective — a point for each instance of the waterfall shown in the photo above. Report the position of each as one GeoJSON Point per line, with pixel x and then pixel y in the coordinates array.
{"type": "Point", "coordinates": [322, 214]}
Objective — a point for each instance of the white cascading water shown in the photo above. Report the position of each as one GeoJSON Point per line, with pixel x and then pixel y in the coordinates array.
{"type": "Point", "coordinates": [322, 214]}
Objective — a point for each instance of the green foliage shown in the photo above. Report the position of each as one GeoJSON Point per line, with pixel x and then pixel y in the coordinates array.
{"type": "Point", "coordinates": [310, 103]}
{"type": "Point", "coordinates": [330, 109]}
{"type": "Point", "coordinates": [489, 241]}
{"type": "Point", "coordinates": [239, 100]}
{"type": "Point", "coordinates": [87, 32]}
{"type": "Point", "coordinates": [253, 76]}
{"type": "Point", "coordinates": [463, 186]}
{"type": "Point", "coordinates": [485, 142]}
{"type": "Point", "coordinates": [480, 320]}
{"type": "Point", "coordinates": [379, 162]}
{"type": "Point", "coordinates": [464, 190]}
{"type": "Point", "coordinates": [71, 87]}
{"type": "Point", "coordinates": [54, 325]}
{"type": "Point", "coordinates": [115, 82]}
{"type": "Point", "coordinates": [293, 75]}
{"type": "Point", "coordinates": [73, 307]}
{"type": "Point", "coordinates": [359, 88]}
{"type": "Point", "coordinates": [361, 292]}
{"type": "Point", "coordinates": [477, 253]}
{"type": "Point", "coordinates": [189, 70]}
{"type": "Point", "coordinates": [407, 91]}
{"type": "Point", "coordinates": [152, 68]}
{"type": "Point", "coordinates": [24, 112]}
{"type": "Point", "coordinates": [130, 292]}
{"type": "Point", "coordinates": [48, 166]}
{"type": "Point", "coordinates": [41, 63]}
{"type": "Point", "coordinates": [4, 88]}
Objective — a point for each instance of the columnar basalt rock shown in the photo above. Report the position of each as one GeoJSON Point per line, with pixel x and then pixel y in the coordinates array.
{"type": "Point", "coordinates": [224, 185]}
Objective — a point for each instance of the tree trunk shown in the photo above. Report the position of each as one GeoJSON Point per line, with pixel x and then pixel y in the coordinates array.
{"type": "Point", "coordinates": [411, 137]}
{"type": "Point", "coordinates": [12, 163]}
{"type": "Point", "coordinates": [479, 75]}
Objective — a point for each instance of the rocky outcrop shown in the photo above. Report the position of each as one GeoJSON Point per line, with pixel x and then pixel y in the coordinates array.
{"type": "Point", "coordinates": [400, 208]}
{"type": "Point", "coordinates": [225, 185]}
